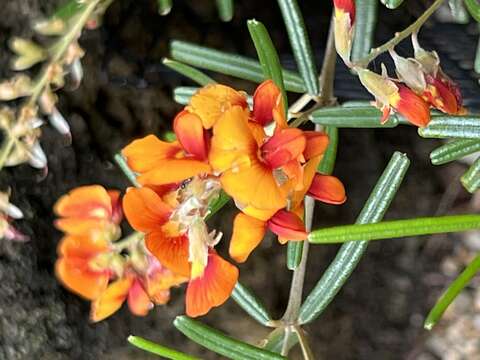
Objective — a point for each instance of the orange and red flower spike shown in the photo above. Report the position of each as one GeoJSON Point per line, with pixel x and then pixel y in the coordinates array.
{"type": "Point", "coordinates": [344, 22]}
{"type": "Point", "coordinates": [327, 189]}
{"type": "Point", "coordinates": [211, 289]}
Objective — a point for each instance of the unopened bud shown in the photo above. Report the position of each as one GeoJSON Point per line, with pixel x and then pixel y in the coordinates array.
{"type": "Point", "coordinates": [57, 120]}
{"type": "Point", "coordinates": [428, 59]}
{"type": "Point", "coordinates": [382, 88]}
{"type": "Point", "coordinates": [28, 53]}
{"type": "Point", "coordinates": [76, 74]}
{"type": "Point", "coordinates": [16, 87]}
{"type": "Point", "coordinates": [344, 20]}
{"type": "Point", "coordinates": [53, 26]}
{"type": "Point", "coordinates": [38, 159]}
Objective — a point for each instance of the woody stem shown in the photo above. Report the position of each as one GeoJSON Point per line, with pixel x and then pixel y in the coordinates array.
{"type": "Point", "coordinates": [399, 36]}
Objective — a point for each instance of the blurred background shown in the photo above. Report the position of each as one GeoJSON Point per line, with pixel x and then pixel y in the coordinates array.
{"type": "Point", "coordinates": [127, 93]}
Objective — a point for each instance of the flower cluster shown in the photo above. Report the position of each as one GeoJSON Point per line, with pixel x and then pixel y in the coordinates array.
{"type": "Point", "coordinates": [94, 265]}
{"type": "Point", "coordinates": [420, 82]}
{"type": "Point", "coordinates": [265, 166]}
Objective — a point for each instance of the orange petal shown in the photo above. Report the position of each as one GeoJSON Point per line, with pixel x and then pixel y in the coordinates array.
{"type": "Point", "coordinates": [412, 106]}
{"type": "Point", "coordinates": [138, 300]}
{"type": "Point", "coordinates": [76, 276]}
{"type": "Point", "coordinates": [233, 142]}
{"type": "Point", "coordinates": [82, 246]}
{"type": "Point", "coordinates": [255, 186]}
{"type": "Point", "coordinates": [287, 224]}
{"type": "Point", "coordinates": [213, 288]}
{"type": "Point", "coordinates": [149, 152]}
{"type": "Point", "coordinates": [172, 252]}
{"type": "Point", "coordinates": [347, 6]}
{"type": "Point", "coordinates": [317, 143]}
{"type": "Point", "coordinates": [294, 171]}
{"type": "Point", "coordinates": [309, 171]}
{"type": "Point", "coordinates": [259, 214]}
{"type": "Point", "coordinates": [211, 101]}
{"type": "Point", "coordinates": [327, 189]}
{"type": "Point", "coordinates": [87, 227]}
{"type": "Point", "coordinates": [440, 96]}
{"type": "Point", "coordinates": [111, 300]}
{"type": "Point", "coordinates": [159, 283]}
{"type": "Point", "coordinates": [265, 98]}
{"type": "Point", "coordinates": [145, 210]}
{"type": "Point", "coordinates": [189, 131]}
{"type": "Point", "coordinates": [248, 232]}
{"type": "Point", "coordinates": [174, 171]}
{"type": "Point", "coordinates": [284, 146]}
{"type": "Point", "coordinates": [116, 201]}
{"type": "Point", "coordinates": [85, 202]}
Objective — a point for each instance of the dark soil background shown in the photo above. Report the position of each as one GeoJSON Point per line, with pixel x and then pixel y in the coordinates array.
{"type": "Point", "coordinates": [127, 93]}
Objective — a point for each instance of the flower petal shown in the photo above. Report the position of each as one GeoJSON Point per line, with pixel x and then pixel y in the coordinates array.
{"type": "Point", "coordinates": [76, 276]}
{"type": "Point", "coordinates": [149, 152]}
{"type": "Point", "coordinates": [116, 201]}
{"type": "Point", "coordinates": [87, 227]}
{"type": "Point", "coordinates": [189, 131]}
{"type": "Point", "coordinates": [284, 146]}
{"type": "Point", "coordinates": [85, 202]}
{"type": "Point", "coordinates": [412, 106]}
{"type": "Point", "coordinates": [233, 142]}
{"type": "Point", "coordinates": [317, 143]}
{"type": "Point", "coordinates": [248, 232]}
{"type": "Point", "coordinates": [172, 252]}
{"type": "Point", "coordinates": [145, 210]}
{"type": "Point", "coordinates": [440, 96]}
{"type": "Point", "coordinates": [139, 302]}
{"type": "Point", "coordinates": [111, 300]}
{"type": "Point", "coordinates": [82, 246]}
{"type": "Point", "coordinates": [173, 171]}
{"type": "Point", "coordinates": [265, 99]}
{"type": "Point", "coordinates": [211, 101]}
{"type": "Point", "coordinates": [287, 224]}
{"type": "Point", "coordinates": [213, 288]}
{"type": "Point", "coordinates": [327, 189]}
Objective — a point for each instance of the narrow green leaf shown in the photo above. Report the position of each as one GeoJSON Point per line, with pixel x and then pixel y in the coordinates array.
{"type": "Point", "coordinates": [476, 65]}
{"type": "Point", "coordinates": [164, 6]}
{"type": "Point", "coordinates": [229, 64]}
{"type": "Point", "coordinates": [392, 4]}
{"type": "Point", "coordinates": [300, 43]}
{"type": "Point", "coordinates": [395, 229]}
{"type": "Point", "coordinates": [473, 7]}
{"type": "Point", "coordinates": [69, 9]}
{"type": "Point", "coordinates": [366, 20]}
{"type": "Point", "coordinates": [275, 340]}
{"type": "Point", "coordinates": [294, 254]}
{"type": "Point", "coordinates": [350, 254]}
{"type": "Point", "coordinates": [220, 343]}
{"type": "Point", "coordinates": [352, 117]}
{"type": "Point", "coordinates": [129, 174]}
{"type": "Point", "coordinates": [465, 127]}
{"type": "Point", "coordinates": [454, 150]}
{"type": "Point", "coordinates": [225, 9]}
{"type": "Point", "coordinates": [451, 293]}
{"type": "Point", "coordinates": [218, 203]}
{"type": "Point", "coordinates": [158, 349]}
{"type": "Point", "coordinates": [471, 179]}
{"type": "Point", "coordinates": [188, 71]}
{"type": "Point", "coordinates": [267, 55]}
{"type": "Point", "coordinates": [182, 95]}
{"type": "Point", "coordinates": [251, 304]}
{"type": "Point", "coordinates": [328, 161]}
{"type": "Point", "coordinates": [459, 12]}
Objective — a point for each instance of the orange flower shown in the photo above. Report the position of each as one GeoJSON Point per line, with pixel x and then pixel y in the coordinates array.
{"type": "Point", "coordinates": [177, 236]}
{"type": "Point", "coordinates": [256, 169]}
{"type": "Point", "coordinates": [443, 94]}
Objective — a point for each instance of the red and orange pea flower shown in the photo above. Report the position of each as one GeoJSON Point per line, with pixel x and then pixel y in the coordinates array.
{"type": "Point", "coordinates": [88, 259]}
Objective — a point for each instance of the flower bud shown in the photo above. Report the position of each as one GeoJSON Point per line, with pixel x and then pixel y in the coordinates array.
{"type": "Point", "coordinates": [57, 120]}
{"type": "Point", "coordinates": [28, 53]}
{"type": "Point", "coordinates": [38, 159]}
{"type": "Point", "coordinates": [344, 20]}
{"type": "Point", "coordinates": [428, 59]}
{"type": "Point", "coordinates": [409, 71]}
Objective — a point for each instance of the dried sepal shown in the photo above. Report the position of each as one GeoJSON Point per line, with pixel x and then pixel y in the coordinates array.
{"type": "Point", "coordinates": [409, 71]}
{"type": "Point", "coordinates": [50, 27]}
{"type": "Point", "coordinates": [28, 53]}
{"type": "Point", "coordinates": [16, 87]}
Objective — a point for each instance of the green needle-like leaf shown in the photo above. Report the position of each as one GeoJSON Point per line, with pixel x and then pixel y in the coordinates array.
{"type": "Point", "coordinates": [465, 127]}
{"type": "Point", "coordinates": [69, 10]}
{"type": "Point", "coordinates": [477, 58]}
{"type": "Point", "coordinates": [225, 9]}
{"type": "Point", "coordinates": [294, 254]}
{"type": "Point", "coordinates": [251, 304]}
{"type": "Point", "coordinates": [454, 150]}
{"type": "Point", "coordinates": [217, 204]}
{"type": "Point", "coordinates": [275, 343]}
{"type": "Point", "coordinates": [395, 229]}
{"type": "Point", "coordinates": [129, 174]}
{"type": "Point", "coordinates": [220, 343]}
{"type": "Point", "coordinates": [188, 71]}
{"type": "Point", "coordinates": [328, 161]}
{"type": "Point", "coordinates": [267, 55]}
{"type": "Point", "coordinates": [300, 43]}
{"type": "Point", "coordinates": [392, 4]}
{"type": "Point", "coordinates": [352, 116]}
{"type": "Point", "coordinates": [366, 20]}
{"type": "Point", "coordinates": [473, 7]}
{"type": "Point", "coordinates": [451, 293]}
{"type": "Point", "coordinates": [459, 12]}
{"type": "Point", "coordinates": [157, 349]}
{"type": "Point", "coordinates": [471, 179]}
{"type": "Point", "coordinates": [164, 6]}
{"type": "Point", "coordinates": [229, 64]}
{"type": "Point", "coordinates": [350, 253]}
